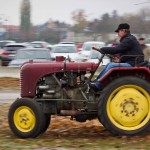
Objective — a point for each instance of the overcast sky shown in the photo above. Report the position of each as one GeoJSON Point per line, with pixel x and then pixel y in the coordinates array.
{"type": "Point", "coordinates": [42, 10]}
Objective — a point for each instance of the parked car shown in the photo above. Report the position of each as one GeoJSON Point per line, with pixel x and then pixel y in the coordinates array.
{"type": "Point", "coordinates": [87, 46]}
{"type": "Point", "coordinates": [148, 45]}
{"type": "Point", "coordinates": [5, 42]}
{"type": "Point", "coordinates": [11, 48]}
{"type": "Point", "coordinates": [79, 46]}
{"type": "Point", "coordinates": [66, 50]}
{"type": "Point", "coordinates": [40, 44]}
{"type": "Point", "coordinates": [113, 44]}
{"type": "Point", "coordinates": [33, 54]}
{"type": "Point", "coordinates": [49, 46]}
{"type": "Point", "coordinates": [95, 56]}
{"type": "Point", "coordinates": [9, 51]}
{"type": "Point", "coordinates": [66, 42]}
{"type": "Point", "coordinates": [4, 58]}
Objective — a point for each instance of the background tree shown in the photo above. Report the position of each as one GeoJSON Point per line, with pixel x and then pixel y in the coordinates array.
{"type": "Point", "coordinates": [106, 23]}
{"type": "Point", "coordinates": [49, 35]}
{"type": "Point", "coordinates": [80, 22]}
{"type": "Point", "coordinates": [144, 15]}
{"type": "Point", "coordinates": [25, 24]}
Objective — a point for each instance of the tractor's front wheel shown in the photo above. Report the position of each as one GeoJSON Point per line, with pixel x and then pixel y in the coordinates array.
{"type": "Point", "coordinates": [26, 118]}
{"type": "Point", "coordinates": [124, 106]}
{"type": "Point", "coordinates": [46, 124]}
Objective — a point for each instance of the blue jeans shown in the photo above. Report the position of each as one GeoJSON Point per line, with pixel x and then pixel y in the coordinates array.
{"type": "Point", "coordinates": [107, 68]}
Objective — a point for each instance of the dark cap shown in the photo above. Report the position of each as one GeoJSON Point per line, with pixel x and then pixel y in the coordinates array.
{"type": "Point", "coordinates": [141, 38]}
{"type": "Point", "coordinates": [123, 26]}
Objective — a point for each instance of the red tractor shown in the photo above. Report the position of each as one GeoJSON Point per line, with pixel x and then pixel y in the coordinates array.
{"type": "Point", "coordinates": [61, 88]}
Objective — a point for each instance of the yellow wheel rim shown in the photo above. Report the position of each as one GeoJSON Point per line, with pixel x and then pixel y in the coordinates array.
{"type": "Point", "coordinates": [128, 107]}
{"type": "Point", "coordinates": [24, 119]}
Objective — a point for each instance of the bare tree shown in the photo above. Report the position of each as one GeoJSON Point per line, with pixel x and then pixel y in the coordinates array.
{"type": "Point", "coordinates": [80, 21]}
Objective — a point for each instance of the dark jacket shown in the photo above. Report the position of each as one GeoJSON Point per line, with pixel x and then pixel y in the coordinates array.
{"type": "Point", "coordinates": [128, 46]}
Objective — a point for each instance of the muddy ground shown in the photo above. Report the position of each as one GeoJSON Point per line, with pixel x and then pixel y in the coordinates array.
{"type": "Point", "coordinates": [65, 134]}
{"type": "Point", "coordinates": [9, 83]}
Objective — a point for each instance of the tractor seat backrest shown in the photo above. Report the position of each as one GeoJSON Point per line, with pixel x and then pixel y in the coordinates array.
{"type": "Point", "coordinates": [144, 63]}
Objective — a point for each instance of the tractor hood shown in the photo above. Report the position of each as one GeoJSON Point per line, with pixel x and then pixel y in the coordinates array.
{"type": "Point", "coordinates": [31, 72]}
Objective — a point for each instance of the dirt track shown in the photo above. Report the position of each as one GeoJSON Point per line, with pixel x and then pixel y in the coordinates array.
{"type": "Point", "coordinates": [65, 134]}
{"type": "Point", "coordinates": [9, 83]}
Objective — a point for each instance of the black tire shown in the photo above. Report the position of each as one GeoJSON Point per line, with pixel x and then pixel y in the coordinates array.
{"type": "Point", "coordinates": [46, 124]}
{"type": "Point", "coordinates": [25, 118]}
{"type": "Point", "coordinates": [124, 106]}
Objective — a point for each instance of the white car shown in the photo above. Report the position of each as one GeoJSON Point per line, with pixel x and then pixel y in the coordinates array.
{"type": "Point", "coordinates": [87, 47]}
{"type": "Point", "coordinates": [95, 56]}
{"type": "Point", "coordinates": [66, 42]}
{"type": "Point", "coordinates": [39, 44]}
{"type": "Point", "coordinates": [148, 44]}
{"type": "Point", "coordinates": [66, 50]}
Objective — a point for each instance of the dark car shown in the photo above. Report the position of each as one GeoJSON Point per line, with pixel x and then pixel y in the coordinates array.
{"type": "Point", "coordinates": [4, 59]}
{"type": "Point", "coordinates": [9, 51]}
{"type": "Point", "coordinates": [5, 42]}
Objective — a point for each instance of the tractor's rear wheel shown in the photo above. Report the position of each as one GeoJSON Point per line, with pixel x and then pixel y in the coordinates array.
{"type": "Point", "coordinates": [26, 118]}
{"type": "Point", "coordinates": [124, 106]}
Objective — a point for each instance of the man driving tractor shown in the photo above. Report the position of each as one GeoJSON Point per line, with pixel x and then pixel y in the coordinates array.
{"type": "Point", "coordinates": [129, 49]}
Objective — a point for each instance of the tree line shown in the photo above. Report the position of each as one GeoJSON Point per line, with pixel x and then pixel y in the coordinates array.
{"type": "Point", "coordinates": [107, 23]}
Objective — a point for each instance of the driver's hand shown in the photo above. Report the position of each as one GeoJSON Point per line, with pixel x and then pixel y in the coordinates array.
{"type": "Point", "coordinates": [116, 59]}
{"type": "Point", "coordinates": [95, 48]}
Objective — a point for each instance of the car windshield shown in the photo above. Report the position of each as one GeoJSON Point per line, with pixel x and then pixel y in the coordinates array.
{"type": "Point", "coordinates": [37, 45]}
{"type": "Point", "coordinates": [32, 54]}
{"type": "Point", "coordinates": [64, 49]}
{"type": "Point", "coordinates": [88, 46]}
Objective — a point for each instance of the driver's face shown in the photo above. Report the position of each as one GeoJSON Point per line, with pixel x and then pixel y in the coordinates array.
{"type": "Point", "coordinates": [122, 33]}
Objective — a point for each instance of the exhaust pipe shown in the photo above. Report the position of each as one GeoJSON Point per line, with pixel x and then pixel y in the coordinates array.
{"type": "Point", "coordinates": [70, 112]}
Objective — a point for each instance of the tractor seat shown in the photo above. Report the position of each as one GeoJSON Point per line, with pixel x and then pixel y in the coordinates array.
{"type": "Point", "coordinates": [144, 63]}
